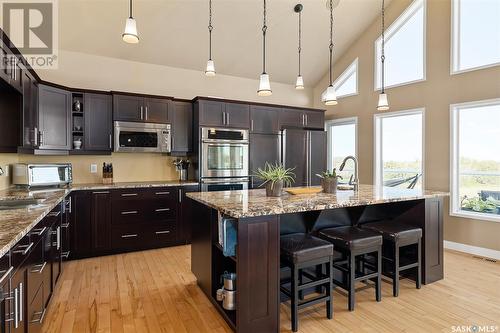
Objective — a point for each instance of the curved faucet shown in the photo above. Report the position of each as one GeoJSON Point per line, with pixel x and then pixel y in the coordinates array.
{"type": "Point", "coordinates": [355, 181]}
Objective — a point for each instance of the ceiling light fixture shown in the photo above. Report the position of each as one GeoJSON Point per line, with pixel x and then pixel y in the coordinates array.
{"type": "Point", "coordinates": [330, 95]}
{"type": "Point", "coordinates": [210, 70]}
{"type": "Point", "coordinates": [299, 84]}
{"type": "Point", "coordinates": [264, 84]}
{"type": "Point", "coordinates": [383, 103]}
{"type": "Point", "coordinates": [130, 34]}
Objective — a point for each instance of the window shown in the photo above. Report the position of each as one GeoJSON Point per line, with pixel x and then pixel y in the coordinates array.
{"type": "Point", "coordinates": [475, 160]}
{"type": "Point", "coordinates": [342, 142]}
{"type": "Point", "coordinates": [404, 48]}
{"type": "Point", "coordinates": [475, 34]}
{"type": "Point", "coordinates": [347, 83]}
{"type": "Point", "coordinates": [399, 149]}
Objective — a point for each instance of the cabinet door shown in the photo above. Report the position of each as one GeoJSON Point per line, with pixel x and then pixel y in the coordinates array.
{"type": "Point", "coordinates": [17, 73]}
{"type": "Point", "coordinates": [237, 115]}
{"type": "Point", "coordinates": [211, 113]}
{"type": "Point", "coordinates": [81, 229]}
{"type": "Point", "coordinates": [5, 68]}
{"type": "Point", "coordinates": [128, 108]}
{"type": "Point", "coordinates": [98, 124]}
{"type": "Point", "coordinates": [101, 221]}
{"type": "Point", "coordinates": [317, 148]}
{"type": "Point", "coordinates": [30, 111]}
{"type": "Point", "coordinates": [315, 119]}
{"type": "Point", "coordinates": [263, 148]}
{"type": "Point", "coordinates": [54, 117]}
{"type": "Point", "coordinates": [156, 110]}
{"type": "Point", "coordinates": [18, 283]}
{"type": "Point", "coordinates": [292, 118]}
{"type": "Point", "coordinates": [182, 126]}
{"type": "Point", "coordinates": [264, 119]}
{"type": "Point", "coordinates": [56, 251]}
{"type": "Point", "coordinates": [186, 212]}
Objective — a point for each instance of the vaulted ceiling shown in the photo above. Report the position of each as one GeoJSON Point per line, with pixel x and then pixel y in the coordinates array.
{"type": "Point", "coordinates": [174, 33]}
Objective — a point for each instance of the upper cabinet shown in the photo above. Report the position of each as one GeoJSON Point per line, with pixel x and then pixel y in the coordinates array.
{"type": "Point", "coordinates": [264, 119]}
{"type": "Point", "coordinates": [182, 126]}
{"type": "Point", "coordinates": [54, 118]}
{"type": "Point", "coordinates": [10, 67]}
{"type": "Point", "coordinates": [98, 126]}
{"type": "Point", "coordinates": [302, 118]}
{"type": "Point", "coordinates": [140, 109]}
{"type": "Point", "coordinates": [222, 114]}
{"type": "Point", "coordinates": [30, 111]}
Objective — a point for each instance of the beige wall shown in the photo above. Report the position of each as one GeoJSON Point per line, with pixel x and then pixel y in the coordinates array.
{"type": "Point", "coordinates": [435, 94]}
{"type": "Point", "coordinates": [5, 161]}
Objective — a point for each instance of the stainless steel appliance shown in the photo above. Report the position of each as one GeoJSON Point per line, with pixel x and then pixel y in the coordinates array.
{"type": "Point", "coordinates": [224, 184]}
{"type": "Point", "coordinates": [30, 175]}
{"type": "Point", "coordinates": [142, 137]}
{"type": "Point", "coordinates": [224, 153]}
{"type": "Point", "coordinates": [306, 152]}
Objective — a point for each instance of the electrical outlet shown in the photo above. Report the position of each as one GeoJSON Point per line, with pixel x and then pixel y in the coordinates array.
{"type": "Point", "coordinates": [93, 168]}
{"type": "Point", "coordinates": [5, 171]}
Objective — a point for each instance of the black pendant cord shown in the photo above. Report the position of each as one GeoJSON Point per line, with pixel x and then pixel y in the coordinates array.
{"type": "Point", "coordinates": [300, 38]}
{"type": "Point", "coordinates": [210, 28]}
{"type": "Point", "coordinates": [331, 41]}
{"type": "Point", "coordinates": [131, 16]}
{"type": "Point", "coordinates": [382, 58]}
{"type": "Point", "coordinates": [264, 30]}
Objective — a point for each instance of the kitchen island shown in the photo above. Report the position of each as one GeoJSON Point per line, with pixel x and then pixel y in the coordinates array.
{"type": "Point", "coordinates": [259, 220]}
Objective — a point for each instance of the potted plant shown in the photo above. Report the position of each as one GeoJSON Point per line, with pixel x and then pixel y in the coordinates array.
{"type": "Point", "coordinates": [477, 204]}
{"type": "Point", "coordinates": [329, 181]}
{"type": "Point", "coordinates": [275, 176]}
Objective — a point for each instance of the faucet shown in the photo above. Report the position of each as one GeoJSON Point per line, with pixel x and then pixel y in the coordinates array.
{"type": "Point", "coordinates": [355, 181]}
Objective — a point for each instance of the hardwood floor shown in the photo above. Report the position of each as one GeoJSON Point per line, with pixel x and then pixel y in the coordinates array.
{"type": "Point", "coordinates": [154, 291]}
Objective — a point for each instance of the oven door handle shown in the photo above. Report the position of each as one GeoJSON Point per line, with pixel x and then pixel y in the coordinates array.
{"type": "Point", "coordinates": [226, 142]}
{"type": "Point", "coordinates": [225, 181]}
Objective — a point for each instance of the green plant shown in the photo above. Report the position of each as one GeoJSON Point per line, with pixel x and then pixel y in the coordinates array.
{"type": "Point", "coordinates": [479, 205]}
{"type": "Point", "coordinates": [276, 172]}
{"type": "Point", "coordinates": [327, 175]}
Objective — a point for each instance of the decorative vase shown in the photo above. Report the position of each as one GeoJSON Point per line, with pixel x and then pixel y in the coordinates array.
{"type": "Point", "coordinates": [274, 190]}
{"type": "Point", "coordinates": [329, 185]}
{"type": "Point", "coordinates": [77, 144]}
{"type": "Point", "coordinates": [77, 106]}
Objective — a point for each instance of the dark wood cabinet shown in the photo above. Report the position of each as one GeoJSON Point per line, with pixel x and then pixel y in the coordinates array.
{"type": "Point", "coordinates": [18, 289]}
{"type": "Point", "coordinates": [237, 115]}
{"type": "Point", "coordinates": [185, 213]}
{"type": "Point", "coordinates": [263, 148]}
{"type": "Point", "coordinates": [81, 230]}
{"type": "Point", "coordinates": [54, 118]}
{"type": "Point", "coordinates": [30, 111]}
{"type": "Point", "coordinates": [140, 109]}
{"type": "Point", "coordinates": [10, 67]}
{"type": "Point", "coordinates": [315, 119]}
{"type": "Point", "coordinates": [223, 114]}
{"type": "Point", "coordinates": [101, 221]}
{"type": "Point", "coordinates": [181, 113]}
{"type": "Point", "coordinates": [296, 118]}
{"type": "Point", "coordinates": [264, 119]}
{"type": "Point", "coordinates": [98, 126]}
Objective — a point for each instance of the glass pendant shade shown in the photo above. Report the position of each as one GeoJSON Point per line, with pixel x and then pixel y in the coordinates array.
{"type": "Point", "coordinates": [210, 70]}
{"type": "Point", "coordinates": [130, 35]}
{"type": "Point", "coordinates": [299, 84]}
{"type": "Point", "coordinates": [330, 96]}
{"type": "Point", "coordinates": [383, 103]}
{"type": "Point", "coordinates": [264, 85]}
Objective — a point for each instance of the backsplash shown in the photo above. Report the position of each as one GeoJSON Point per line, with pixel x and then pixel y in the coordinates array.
{"type": "Point", "coordinates": [127, 167]}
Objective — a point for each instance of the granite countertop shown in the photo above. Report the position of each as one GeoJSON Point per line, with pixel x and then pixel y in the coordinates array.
{"type": "Point", "coordinates": [251, 203]}
{"type": "Point", "coordinates": [16, 223]}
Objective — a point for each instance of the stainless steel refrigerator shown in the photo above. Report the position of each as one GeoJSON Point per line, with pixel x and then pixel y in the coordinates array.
{"type": "Point", "coordinates": [305, 151]}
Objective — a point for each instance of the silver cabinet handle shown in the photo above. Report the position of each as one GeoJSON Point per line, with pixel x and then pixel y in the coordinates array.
{"type": "Point", "coordinates": [6, 274]}
{"type": "Point", "coordinates": [16, 307]}
{"type": "Point", "coordinates": [162, 232]}
{"type": "Point", "coordinates": [21, 301]}
{"type": "Point", "coordinates": [69, 203]}
{"type": "Point", "coordinates": [142, 113]}
{"type": "Point", "coordinates": [65, 225]}
{"type": "Point", "coordinates": [251, 125]}
{"type": "Point", "coordinates": [101, 192]}
{"type": "Point", "coordinates": [223, 118]}
{"type": "Point", "coordinates": [307, 120]}
{"type": "Point", "coordinates": [162, 210]}
{"type": "Point", "coordinates": [129, 236]}
{"type": "Point", "coordinates": [110, 141]}
{"type": "Point", "coordinates": [35, 136]}
{"type": "Point", "coordinates": [38, 231]}
{"type": "Point", "coordinates": [129, 194]}
{"type": "Point", "coordinates": [146, 112]}
{"type": "Point", "coordinates": [24, 249]}
{"type": "Point", "coordinates": [58, 238]}
{"type": "Point", "coordinates": [162, 193]}
{"type": "Point", "coordinates": [129, 212]}
{"type": "Point", "coordinates": [40, 137]}
{"type": "Point", "coordinates": [54, 214]}
{"type": "Point", "coordinates": [65, 255]}
{"type": "Point", "coordinates": [38, 268]}
{"type": "Point", "coordinates": [40, 314]}
{"type": "Point", "coordinates": [180, 195]}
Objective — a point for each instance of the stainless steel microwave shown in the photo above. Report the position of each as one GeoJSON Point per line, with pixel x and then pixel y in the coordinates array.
{"type": "Point", "coordinates": [30, 175]}
{"type": "Point", "coordinates": [133, 137]}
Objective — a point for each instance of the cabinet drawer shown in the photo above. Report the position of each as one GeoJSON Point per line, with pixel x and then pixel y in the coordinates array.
{"type": "Point", "coordinates": [127, 238]}
{"type": "Point", "coordinates": [36, 311]}
{"type": "Point", "coordinates": [21, 251]}
{"type": "Point", "coordinates": [161, 234]}
{"type": "Point", "coordinates": [132, 194]}
{"type": "Point", "coordinates": [37, 267]}
{"type": "Point", "coordinates": [123, 214]}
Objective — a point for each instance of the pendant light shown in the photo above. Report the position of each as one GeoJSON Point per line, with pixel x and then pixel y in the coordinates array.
{"type": "Point", "coordinates": [330, 95]}
{"type": "Point", "coordinates": [299, 84]}
{"type": "Point", "coordinates": [383, 103]}
{"type": "Point", "coordinates": [264, 84]}
{"type": "Point", "coordinates": [210, 70]}
{"type": "Point", "coordinates": [130, 34]}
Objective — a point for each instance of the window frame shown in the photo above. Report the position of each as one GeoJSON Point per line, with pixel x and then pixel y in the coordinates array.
{"type": "Point", "coordinates": [454, 159]}
{"type": "Point", "coordinates": [455, 43]}
{"type": "Point", "coordinates": [377, 147]}
{"type": "Point", "coordinates": [395, 26]}
{"type": "Point", "coordinates": [345, 75]}
{"type": "Point", "coordinates": [338, 122]}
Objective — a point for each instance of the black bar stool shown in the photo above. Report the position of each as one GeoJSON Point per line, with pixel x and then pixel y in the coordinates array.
{"type": "Point", "coordinates": [354, 243]}
{"type": "Point", "coordinates": [300, 252]}
{"type": "Point", "coordinates": [396, 235]}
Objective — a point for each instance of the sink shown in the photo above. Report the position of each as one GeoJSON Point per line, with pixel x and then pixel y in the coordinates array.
{"type": "Point", "coordinates": [20, 203]}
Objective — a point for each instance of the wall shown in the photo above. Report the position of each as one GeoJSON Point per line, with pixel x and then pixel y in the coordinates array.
{"type": "Point", "coordinates": [5, 161]}
{"type": "Point", "coordinates": [435, 94]}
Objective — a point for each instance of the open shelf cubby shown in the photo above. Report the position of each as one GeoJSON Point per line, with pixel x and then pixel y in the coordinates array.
{"type": "Point", "coordinates": [77, 119]}
{"type": "Point", "coordinates": [222, 264]}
